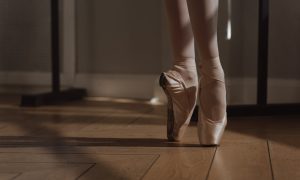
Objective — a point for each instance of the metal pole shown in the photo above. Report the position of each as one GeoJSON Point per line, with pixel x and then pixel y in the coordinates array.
{"type": "Point", "coordinates": [262, 65]}
{"type": "Point", "coordinates": [55, 45]}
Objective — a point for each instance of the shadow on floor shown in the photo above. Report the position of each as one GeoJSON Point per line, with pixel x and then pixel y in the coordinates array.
{"type": "Point", "coordinates": [27, 141]}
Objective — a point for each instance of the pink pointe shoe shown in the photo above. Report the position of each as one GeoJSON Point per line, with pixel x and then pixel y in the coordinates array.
{"type": "Point", "coordinates": [210, 131]}
{"type": "Point", "coordinates": [181, 103]}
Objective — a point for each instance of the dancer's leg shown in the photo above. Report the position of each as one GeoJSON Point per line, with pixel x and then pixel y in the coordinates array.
{"type": "Point", "coordinates": [180, 83]}
{"type": "Point", "coordinates": [204, 16]}
{"type": "Point", "coordinates": [182, 40]}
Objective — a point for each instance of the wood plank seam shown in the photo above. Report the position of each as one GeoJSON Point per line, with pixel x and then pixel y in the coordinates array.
{"type": "Point", "coordinates": [270, 160]}
{"type": "Point", "coordinates": [158, 156]}
{"type": "Point", "coordinates": [84, 172]}
{"type": "Point", "coordinates": [211, 163]}
{"type": "Point", "coordinates": [17, 176]}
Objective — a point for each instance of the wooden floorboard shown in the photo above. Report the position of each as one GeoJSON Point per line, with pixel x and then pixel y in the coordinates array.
{"type": "Point", "coordinates": [126, 139]}
{"type": "Point", "coordinates": [285, 157]}
{"type": "Point", "coordinates": [241, 161]}
{"type": "Point", "coordinates": [38, 171]}
{"type": "Point", "coordinates": [12, 175]}
{"type": "Point", "coordinates": [182, 164]}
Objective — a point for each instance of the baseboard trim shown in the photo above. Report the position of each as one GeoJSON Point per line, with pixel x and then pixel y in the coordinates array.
{"type": "Point", "coordinates": [145, 86]}
{"type": "Point", "coordinates": [118, 85]}
{"type": "Point", "coordinates": [28, 78]}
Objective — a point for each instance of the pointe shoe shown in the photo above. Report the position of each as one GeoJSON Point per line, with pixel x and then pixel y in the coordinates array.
{"type": "Point", "coordinates": [210, 131]}
{"type": "Point", "coordinates": [181, 103]}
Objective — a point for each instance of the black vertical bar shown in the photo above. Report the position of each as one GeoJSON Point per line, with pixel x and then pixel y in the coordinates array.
{"type": "Point", "coordinates": [262, 77]}
{"type": "Point", "coordinates": [55, 45]}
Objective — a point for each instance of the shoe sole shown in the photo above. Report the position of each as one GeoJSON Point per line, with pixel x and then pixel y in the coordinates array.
{"type": "Point", "coordinates": [170, 112]}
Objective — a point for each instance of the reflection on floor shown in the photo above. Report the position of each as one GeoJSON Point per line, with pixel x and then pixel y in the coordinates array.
{"type": "Point", "coordinates": [127, 140]}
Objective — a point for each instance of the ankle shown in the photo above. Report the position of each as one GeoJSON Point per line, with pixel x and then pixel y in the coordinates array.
{"type": "Point", "coordinates": [212, 68]}
{"type": "Point", "coordinates": [188, 74]}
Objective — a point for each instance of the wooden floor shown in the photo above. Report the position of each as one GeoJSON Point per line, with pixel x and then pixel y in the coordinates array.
{"type": "Point", "coordinates": [113, 139]}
